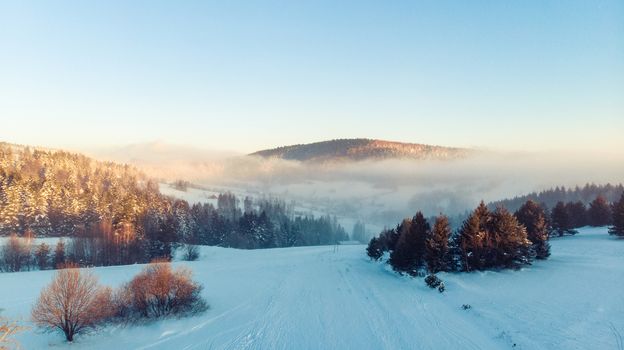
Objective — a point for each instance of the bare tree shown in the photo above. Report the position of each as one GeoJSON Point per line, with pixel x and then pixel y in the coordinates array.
{"type": "Point", "coordinates": [16, 254]}
{"type": "Point", "coordinates": [7, 331]}
{"type": "Point", "coordinates": [42, 256]}
{"type": "Point", "coordinates": [73, 303]}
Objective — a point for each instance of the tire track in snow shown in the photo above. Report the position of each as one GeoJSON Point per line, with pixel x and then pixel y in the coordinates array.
{"type": "Point", "coordinates": [618, 337]}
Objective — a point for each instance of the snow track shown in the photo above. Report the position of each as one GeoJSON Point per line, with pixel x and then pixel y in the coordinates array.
{"type": "Point", "coordinates": [328, 298]}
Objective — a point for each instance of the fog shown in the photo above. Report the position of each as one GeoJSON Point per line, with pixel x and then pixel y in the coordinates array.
{"type": "Point", "coordinates": [380, 192]}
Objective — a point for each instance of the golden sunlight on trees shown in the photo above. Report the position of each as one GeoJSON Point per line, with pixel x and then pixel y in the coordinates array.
{"type": "Point", "coordinates": [7, 331]}
{"type": "Point", "coordinates": [73, 303]}
{"type": "Point", "coordinates": [160, 291]}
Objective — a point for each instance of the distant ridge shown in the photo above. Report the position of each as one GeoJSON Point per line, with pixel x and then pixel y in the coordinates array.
{"type": "Point", "coordinates": [361, 149]}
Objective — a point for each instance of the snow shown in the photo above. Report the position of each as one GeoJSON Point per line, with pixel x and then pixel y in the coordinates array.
{"type": "Point", "coordinates": [333, 297]}
{"type": "Point", "coordinates": [191, 195]}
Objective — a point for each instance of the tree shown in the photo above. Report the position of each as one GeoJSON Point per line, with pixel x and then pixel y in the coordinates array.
{"type": "Point", "coordinates": [59, 253]}
{"type": "Point", "coordinates": [16, 254]}
{"type": "Point", "coordinates": [437, 245]}
{"type": "Point", "coordinates": [359, 232]}
{"type": "Point", "coordinates": [73, 303]}
{"type": "Point", "coordinates": [409, 252]}
{"type": "Point", "coordinates": [560, 220]}
{"type": "Point", "coordinates": [160, 291]}
{"type": "Point", "coordinates": [532, 216]}
{"type": "Point", "coordinates": [42, 256]}
{"type": "Point", "coordinates": [471, 239]}
{"type": "Point", "coordinates": [618, 218]}
{"type": "Point", "coordinates": [577, 214]}
{"type": "Point", "coordinates": [375, 249]}
{"type": "Point", "coordinates": [507, 243]}
{"type": "Point", "coordinates": [599, 212]}
{"type": "Point", "coordinates": [492, 240]}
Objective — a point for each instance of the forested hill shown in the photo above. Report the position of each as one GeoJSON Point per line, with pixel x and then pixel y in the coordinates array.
{"type": "Point", "coordinates": [57, 193]}
{"type": "Point", "coordinates": [361, 149]}
{"type": "Point", "coordinates": [550, 197]}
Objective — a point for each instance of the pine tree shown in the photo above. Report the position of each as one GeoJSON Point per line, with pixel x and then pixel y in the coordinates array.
{"type": "Point", "coordinates": [437, 246]}
{"type": "Point", "coordinates": [577, 214]}
{"type": "Point", "coordinates": [508, 245]}
{"type": "Point", "coordinates": [532, 216]}
{"type": "Point", "coordinates": [472, 237]}
{"type": "Point", "coordinates": [599, 212]}
{"type": "Point", "coordinates": [359, 232]}
{"type": "Point", "coordinates": [374, 249]}
{"type": "Point", "coordinates": [560, 220]}
{"type": "Point", "coordinates": [422, 230]}
{"type": "Point", "coordinates": [409, 252]}
{"type": "Point", "coordinates": [618, 218]}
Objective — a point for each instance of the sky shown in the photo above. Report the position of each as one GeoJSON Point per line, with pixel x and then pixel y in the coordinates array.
{"type": "Point", "coordinates": [248, 75]}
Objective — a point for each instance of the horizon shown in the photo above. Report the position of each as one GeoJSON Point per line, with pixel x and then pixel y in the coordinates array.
{"type": "Point", "coordinates": [544, 76]}
{"type": "Point", "coordinates": [432, 174]}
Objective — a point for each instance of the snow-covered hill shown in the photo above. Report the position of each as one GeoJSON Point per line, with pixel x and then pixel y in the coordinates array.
{"type": "Point", "coordinates": [335, 298]}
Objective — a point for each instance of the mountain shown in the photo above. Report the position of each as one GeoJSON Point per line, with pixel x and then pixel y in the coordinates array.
{"type": "Point", "coordinates": [361, 149]}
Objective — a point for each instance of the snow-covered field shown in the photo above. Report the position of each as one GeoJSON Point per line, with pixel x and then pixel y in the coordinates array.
{"type": "Point", "coordinates": [335, 298]}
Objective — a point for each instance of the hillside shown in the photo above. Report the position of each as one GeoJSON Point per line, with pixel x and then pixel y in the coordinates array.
{"type": "Point", "coordinates": [53, 192]}
{"type": "Point", "coordinates": [361, 149]}
{"type": "Point", "coordinates": [550, 197]}
{"type": "Point", "coordinates": [335, 298]}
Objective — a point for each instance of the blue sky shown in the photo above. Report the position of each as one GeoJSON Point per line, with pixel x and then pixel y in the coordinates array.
{"type": "Point", "coordinates": [244, 75]}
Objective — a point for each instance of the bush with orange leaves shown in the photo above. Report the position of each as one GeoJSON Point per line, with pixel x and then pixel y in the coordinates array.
{"type": "Point", "coordinates": [159, 291]}
{"type": "Point", "coordinates": [73, 303]}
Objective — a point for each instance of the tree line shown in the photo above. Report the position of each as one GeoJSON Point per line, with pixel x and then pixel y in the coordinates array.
{"type": "Point", "coordinates": [489, 239]}
{"type": "Point", "coordinates": [550, 197]}
{"type": "Point", "coordinates": [113, 214]}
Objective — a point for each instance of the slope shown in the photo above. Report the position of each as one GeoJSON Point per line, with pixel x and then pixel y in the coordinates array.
{"type": "Point", "coordinates": [334, 298]}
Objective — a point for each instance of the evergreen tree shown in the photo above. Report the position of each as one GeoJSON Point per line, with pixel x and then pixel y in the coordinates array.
{"type": "Point", "coordinates": [390, 238]}
{"type": "Point", "coordinates": [577, 214]}
{"type": "Point", "coordinates": [375, 249]}
{"type": "Point", "coordinates": [599, 212]}
{"type": "Point", "coordinates": [472, 237]}
{"type": "Point", "coordinates": [618, 218]}
{"type": "Point", "coordinates": [437, 246]}
{"type": "Point", "coordinates": [359, 232]}
{"type": "Point", "coordinates": [507, 245]}
{"type": "Point", "coordinates": [532, 216]}
{"type": "Point", "coordinates": [409, 252]}
{"type": "Point", "coordinates": [560, 220]}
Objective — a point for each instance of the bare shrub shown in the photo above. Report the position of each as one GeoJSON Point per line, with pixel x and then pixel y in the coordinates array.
{"type": "Point", "coordinates": [7, 331]}
{"type": "Point", "coordinates": [73, 303]}
{"type": "Point", "coordinates": [190, 252]}
{"type": "Point", "coordinates": [160, 291]}
{"type": "Point", "coordinates": [433, 281]}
